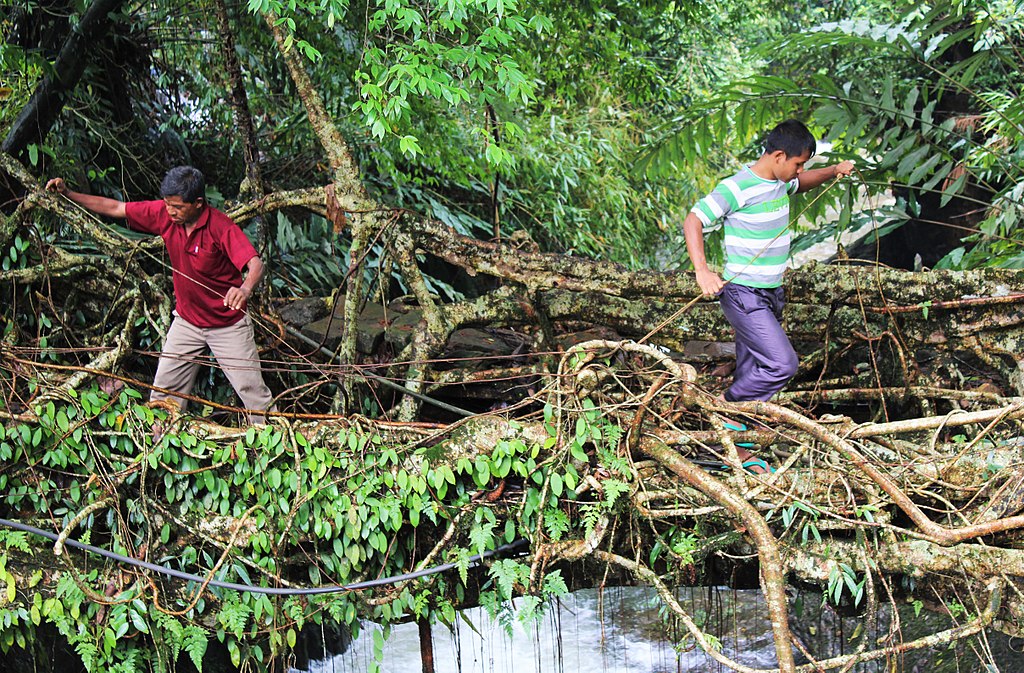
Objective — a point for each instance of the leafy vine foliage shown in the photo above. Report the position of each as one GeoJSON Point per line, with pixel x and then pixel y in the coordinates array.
{"type": "Point", "coordinates": [283, 505]}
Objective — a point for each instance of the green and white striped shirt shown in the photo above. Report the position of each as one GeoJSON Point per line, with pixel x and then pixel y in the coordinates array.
{"type": "Point", "coordinates": [756, 219]}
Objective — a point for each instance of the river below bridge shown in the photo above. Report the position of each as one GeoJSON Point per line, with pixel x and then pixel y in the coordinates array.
{"type": "Point", "coordinates": [621, 630]}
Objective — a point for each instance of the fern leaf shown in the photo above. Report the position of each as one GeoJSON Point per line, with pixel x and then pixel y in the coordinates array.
{"type": "Point", "coordinates": [194, 641]}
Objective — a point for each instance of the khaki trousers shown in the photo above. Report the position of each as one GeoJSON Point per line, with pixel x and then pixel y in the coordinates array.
{"type": "Point", "coordinates": [235, 350]}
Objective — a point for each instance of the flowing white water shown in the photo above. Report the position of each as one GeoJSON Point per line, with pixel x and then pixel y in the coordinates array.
{"type": "Point", "coordinates": [620, 631]}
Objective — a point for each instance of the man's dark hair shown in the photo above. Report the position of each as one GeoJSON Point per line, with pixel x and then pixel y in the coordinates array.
{"type": "Point", "coordinates": [184, 181]}
{"type": "Point", "coordinates": [792, 137]}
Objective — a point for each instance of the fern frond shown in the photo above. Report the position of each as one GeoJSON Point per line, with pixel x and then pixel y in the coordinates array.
{"type": "Point", "coordinates": [194, 641]}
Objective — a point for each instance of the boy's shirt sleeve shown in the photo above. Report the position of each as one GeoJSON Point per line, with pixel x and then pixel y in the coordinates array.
{"type": "Point", "coordinates": [792, 186]}
{"type": "Point", "coordinates": [716, 205]}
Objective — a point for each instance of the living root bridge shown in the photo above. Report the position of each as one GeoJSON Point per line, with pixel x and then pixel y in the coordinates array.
{"type": "Point", "coordinates": [618, 454]}
{"type": "Point", "coordinates": [865, 332]}
{"type": "Point", "coordinates": [835, 313]}
{"type": "Point", "coordinates": [613, 471]}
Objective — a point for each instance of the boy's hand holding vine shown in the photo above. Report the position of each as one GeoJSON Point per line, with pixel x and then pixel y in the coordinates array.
{"type": "Point", "coordinates": [843, 169]}
{"type": "Point", "coordinates": [710, 282]}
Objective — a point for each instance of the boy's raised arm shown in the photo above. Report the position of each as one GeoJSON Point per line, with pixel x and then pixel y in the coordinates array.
{"type": "Point", "coordinates": [816, 177]}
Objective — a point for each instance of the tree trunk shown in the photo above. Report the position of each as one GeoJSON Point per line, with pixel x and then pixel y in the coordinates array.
{"type": "Point", "coordinates": [36, 119]}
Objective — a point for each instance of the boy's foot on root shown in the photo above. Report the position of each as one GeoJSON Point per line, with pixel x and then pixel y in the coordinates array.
{"type": "Point", "coordinates": [738, 427]}
{"type": "Point", "coordinates": [757, 466]}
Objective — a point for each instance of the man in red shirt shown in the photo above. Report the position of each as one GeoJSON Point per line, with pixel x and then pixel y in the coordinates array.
{"type": "Point", "coordinates": [208, 253]}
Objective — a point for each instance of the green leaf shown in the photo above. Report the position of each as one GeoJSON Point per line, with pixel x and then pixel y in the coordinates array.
{"type": "Point", "coordinates": [195, 643]}
{"type": "Point", "coordinates": [138, 621]}
{"type": "Point", "coordinates": [909, 163]}
{"type": "Point", "coordinates": [577, 452]}
{"type": "Point", "coordinates": [924, 169]}
{"type": "Point", "coordinates": [410, 146]}
{"type": "Point", "coordinates": [556, 484]}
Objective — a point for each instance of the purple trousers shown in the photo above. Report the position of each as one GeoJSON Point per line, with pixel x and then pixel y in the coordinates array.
{"type": "Point", "coordinates": [765, 360]}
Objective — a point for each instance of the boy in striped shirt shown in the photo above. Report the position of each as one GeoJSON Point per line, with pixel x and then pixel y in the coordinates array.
{"type": "Point", "coordinates": [754, 208]}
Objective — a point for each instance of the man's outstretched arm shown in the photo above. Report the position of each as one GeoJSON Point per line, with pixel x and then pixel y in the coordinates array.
{"type": "Point", "coordinates": [101, 205]}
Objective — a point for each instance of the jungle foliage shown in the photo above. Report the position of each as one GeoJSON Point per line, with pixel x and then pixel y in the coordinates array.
{"type": "Point", "coordinates": [328, 508]}
{"type": "Point", "coordinates": [496, 131]}
{"type": "Point", "coordinates": [926, 103]}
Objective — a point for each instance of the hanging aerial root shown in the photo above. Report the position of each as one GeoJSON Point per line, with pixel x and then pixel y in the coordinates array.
{"type": "Point", "coordinates": [845, 662]}
{"type": "Point", "coordinates": [108, 360]}
{"type": "Point", "coordinates": [773, 580]}
{"type": "Point", "coordinates": [935, 640]}
{"type": "Point", "coordinates": [58, 546]}
{"type": "Point", "coordinates": [648, 576]}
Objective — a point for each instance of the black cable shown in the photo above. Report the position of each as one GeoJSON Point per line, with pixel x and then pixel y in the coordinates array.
{"type": "Point", "coordinates": [274, 591]}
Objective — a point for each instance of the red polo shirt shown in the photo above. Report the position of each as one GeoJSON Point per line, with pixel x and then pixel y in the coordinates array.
{"type": "Point", "coordinates": [207, 262]}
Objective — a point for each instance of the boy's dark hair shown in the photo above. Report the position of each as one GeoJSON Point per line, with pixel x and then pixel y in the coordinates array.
{"type": "Point", "coordinates": [184, 181]}
{"type": "Point", "coordinates": [792, 137]}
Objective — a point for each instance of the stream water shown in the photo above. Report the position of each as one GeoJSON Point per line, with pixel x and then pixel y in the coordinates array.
{"type": "Point", "coordinates": [621, 630]}
{"type": "Point", "coordinates": [618, 630]}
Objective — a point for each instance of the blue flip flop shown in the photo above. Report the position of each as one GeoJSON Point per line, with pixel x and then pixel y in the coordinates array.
{"type": "Point", "coordinates": [739, 427]}
{"type": "Point", "coordinates": [717, 466]}
{"type": "Point", "coordinates": [757, 462]}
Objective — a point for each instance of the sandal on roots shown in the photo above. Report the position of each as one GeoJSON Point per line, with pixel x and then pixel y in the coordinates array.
{"type": "Point", "coordinates": [752, 463]}
{"type": "Point", "coordinates": [738, 427]}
